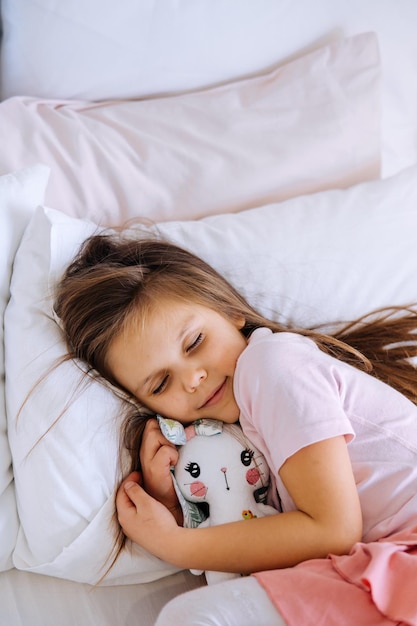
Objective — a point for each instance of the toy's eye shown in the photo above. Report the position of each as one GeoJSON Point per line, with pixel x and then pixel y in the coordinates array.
{"type": "Point", "coordinates": [247, 456]}
{"type": "Point", "coordinates": [194, 469]}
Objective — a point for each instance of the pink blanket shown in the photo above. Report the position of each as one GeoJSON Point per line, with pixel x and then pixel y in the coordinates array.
{"type": "Point", "coordinates": [375, 584]}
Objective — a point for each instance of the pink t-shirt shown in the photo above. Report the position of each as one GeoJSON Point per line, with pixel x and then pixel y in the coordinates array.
{"type": "Point", "coordinates": [291, 394]}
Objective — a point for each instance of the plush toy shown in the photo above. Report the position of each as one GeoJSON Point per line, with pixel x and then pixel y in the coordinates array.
{"type": "Point", "coordinates": [219, 466]}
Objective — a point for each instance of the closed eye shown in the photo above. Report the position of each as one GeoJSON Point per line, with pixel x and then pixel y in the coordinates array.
{"type": "Point", "coordinates": [195, 343]}
{"type": "Point", "coordinates": [160, 388]}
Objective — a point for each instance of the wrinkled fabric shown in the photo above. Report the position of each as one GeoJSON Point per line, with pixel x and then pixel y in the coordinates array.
{"type": "Point", "coordinates": [387, 569]}
{"type": "Point", "coordinates": [375, 584]}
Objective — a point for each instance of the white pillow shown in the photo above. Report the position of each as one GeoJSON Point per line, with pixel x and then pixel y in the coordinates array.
{"type": "Point", "coordinates": [133, 49]}
{"type": "Point", "coordinates": [20, 193]}
{"type": "Point", "coordinates": [314, 259]}
{"type": "Point", "coordinates": [310, 125]}
{"type": "Point", "coordinates": [65, 504]}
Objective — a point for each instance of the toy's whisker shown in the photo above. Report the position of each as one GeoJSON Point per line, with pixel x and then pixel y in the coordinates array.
{"type": "Point", "coordinates": [258, 465]}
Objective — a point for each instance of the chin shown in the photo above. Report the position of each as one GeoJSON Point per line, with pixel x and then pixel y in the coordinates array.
{"type": "Point", "coordinates": [230, 418]}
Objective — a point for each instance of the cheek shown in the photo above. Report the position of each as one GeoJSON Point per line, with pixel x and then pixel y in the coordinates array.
{"type": "Point", "coordinates": [198, 489]}
{"type": "Point", "coordinates": [168, 404]}
{"type": "Point", "coordinates": [252, 476]}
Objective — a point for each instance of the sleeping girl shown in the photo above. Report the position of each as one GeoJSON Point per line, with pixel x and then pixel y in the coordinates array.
{"type": "Point", "coordinates": [334, 415]}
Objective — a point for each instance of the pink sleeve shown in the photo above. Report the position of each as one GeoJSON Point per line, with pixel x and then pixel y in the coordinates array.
{"type": "Point", "coordinates": [289, 393]}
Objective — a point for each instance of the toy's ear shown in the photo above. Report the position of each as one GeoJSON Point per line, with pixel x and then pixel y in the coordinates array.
{"type": "Point", "coordinates": [172, 430]}
{"type": "Point", "coordinates": [176, 433]}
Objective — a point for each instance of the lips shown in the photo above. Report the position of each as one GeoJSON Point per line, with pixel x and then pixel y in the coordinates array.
{"type": "Point", "coordinates": [215, 396]}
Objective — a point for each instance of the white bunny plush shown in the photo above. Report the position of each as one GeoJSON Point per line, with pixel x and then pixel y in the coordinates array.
{"type": "Point", "coordinates": [219, 466]}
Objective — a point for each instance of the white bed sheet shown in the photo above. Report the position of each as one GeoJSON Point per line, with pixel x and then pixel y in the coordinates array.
{"type": "Point", "coordinates": [34, 600]}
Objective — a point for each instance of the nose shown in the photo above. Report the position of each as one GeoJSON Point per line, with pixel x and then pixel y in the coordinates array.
{"type": "Point", "coordinates": [193, 377]}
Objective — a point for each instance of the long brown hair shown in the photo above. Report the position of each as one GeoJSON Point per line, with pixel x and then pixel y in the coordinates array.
{"type": "Point", "coordinates": [115, 276]}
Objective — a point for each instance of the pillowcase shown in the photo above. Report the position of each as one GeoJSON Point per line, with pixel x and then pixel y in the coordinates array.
{"type": "Point", "coordinates": [329, 256]}
{"type": "Point", "coordinates": [20, 193]}
{"type": "Point", "coordinates": [134, 50]}
{"type": "Point", "coordinates": [66, 502]}
{"type": "Point", "coordinates": [312, 124]}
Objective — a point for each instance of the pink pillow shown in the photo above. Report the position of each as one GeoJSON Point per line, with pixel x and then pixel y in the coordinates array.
{"type": "Point", "coordinates": [309, 125]}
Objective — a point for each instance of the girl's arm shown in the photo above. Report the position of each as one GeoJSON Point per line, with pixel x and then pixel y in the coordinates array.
{"type": "Point", "coordinates": [319, 479]}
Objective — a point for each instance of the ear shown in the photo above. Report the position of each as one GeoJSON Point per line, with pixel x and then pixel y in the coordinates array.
{"type": "Point", "coordinates": [240, 322]}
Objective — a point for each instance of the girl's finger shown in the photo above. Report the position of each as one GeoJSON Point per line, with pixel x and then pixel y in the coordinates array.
{"type": "Point", "coordinates": [152, 440]}
{"type": "Point", "coordinates": [167, 456]}
{"type": "Point", "coordinates": [135, 493]}
{"type": "Point", "coordinates": [135, 476]}
{"type": "Point", "coordinates": [123, 501]}
{"type": "Point", "coordinates": [122, 498]}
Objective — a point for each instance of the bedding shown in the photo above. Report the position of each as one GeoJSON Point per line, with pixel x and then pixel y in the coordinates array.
{"type": "Point", "coordinates": [89, 92]}
{"type": "Point", "coordinates": [20, 193]}
{"type": "Point", "coordinates": [384, 570]}
{"type": "Point", "coordinates": [28, 599]}
{"type": "Point", "coordinates": [140, 50]}
{"type": "Point", "coordinates": [287, 258]}
{"type": "Point", "coordinates": [313, 124]}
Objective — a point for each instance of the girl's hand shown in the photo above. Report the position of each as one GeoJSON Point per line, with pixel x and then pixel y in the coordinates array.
{"type": "Point", "coordinates": [157, 455]}
{"type": "Point", "coordinates": [143, 519]}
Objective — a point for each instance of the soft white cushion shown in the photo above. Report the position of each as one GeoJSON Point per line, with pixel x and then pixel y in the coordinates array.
{"type": "Point", "coordinates": [310, 125]}
{"type": "Point", "coordinates": [20, 193]}
{"type": "Point", "coordinates": [65, 477]}
{"type": "Point", "coordinates": [314, 259]}
{"type": "Point", "coordinates": [130, 49]}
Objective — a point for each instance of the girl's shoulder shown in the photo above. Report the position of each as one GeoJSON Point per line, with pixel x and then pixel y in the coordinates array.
{"type": "Point", "coordinates": [264, 340]}
{"type": "Point", "coordinates": [280, 354]}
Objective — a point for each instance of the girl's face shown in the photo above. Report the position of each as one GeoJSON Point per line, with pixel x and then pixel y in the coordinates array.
{"type": "Point", "coordinates": [180, 362]}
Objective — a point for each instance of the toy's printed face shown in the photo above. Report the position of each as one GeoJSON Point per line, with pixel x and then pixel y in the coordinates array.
{"type": "Point", "coordinates": [209, 467]}
{"type": "Point", "coordinates": [217, 467]}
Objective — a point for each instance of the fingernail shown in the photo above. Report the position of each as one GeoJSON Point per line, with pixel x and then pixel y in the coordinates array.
{"type": "Point", "coordinates": [129, 484]}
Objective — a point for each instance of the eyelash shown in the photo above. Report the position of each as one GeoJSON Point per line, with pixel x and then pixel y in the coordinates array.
{"type": "Point", "coordinates": [195, 343]}
{"type": "Point", "coordinates": [160, 388]}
